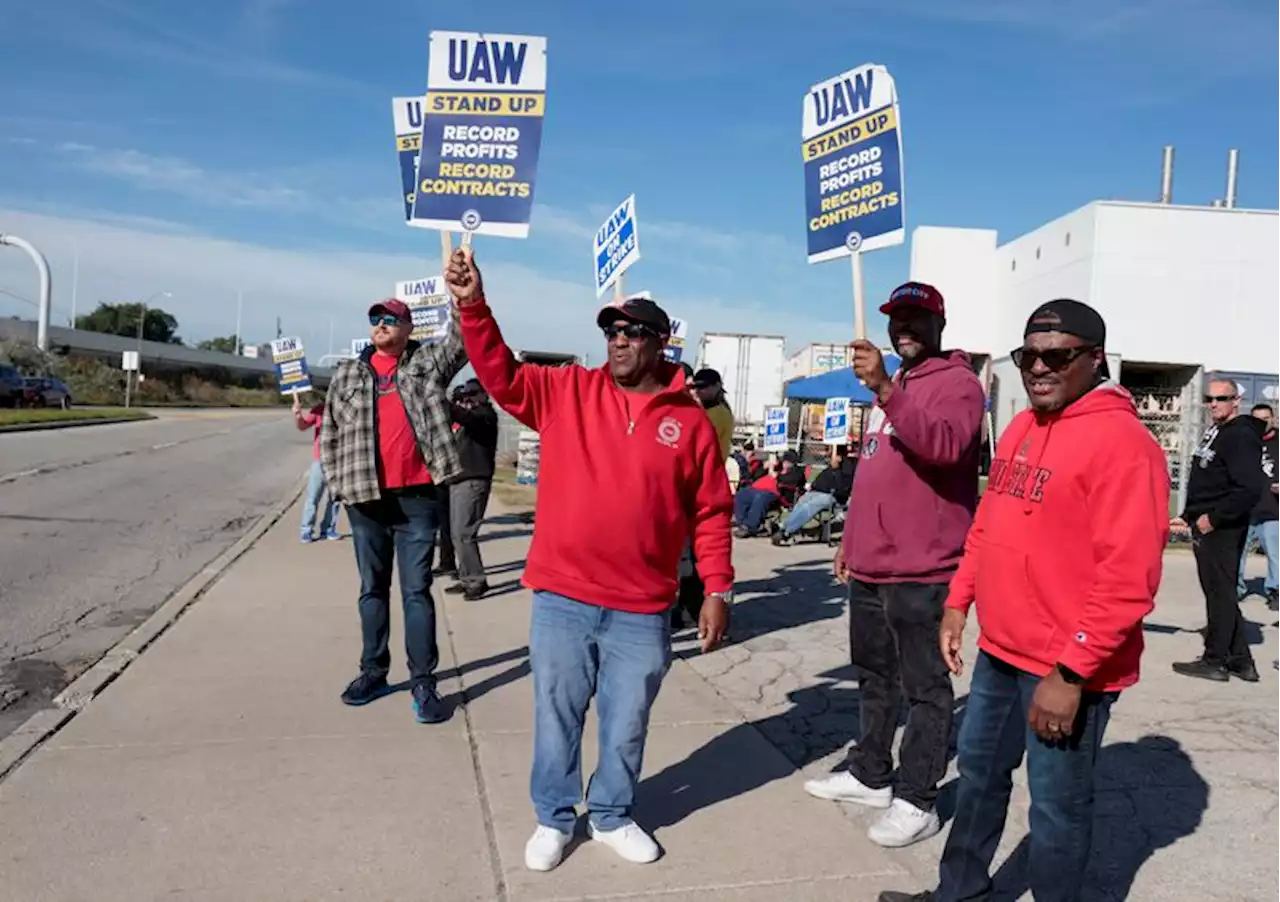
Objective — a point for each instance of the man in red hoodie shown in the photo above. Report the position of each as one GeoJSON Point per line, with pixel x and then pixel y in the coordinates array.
{"type": "Point", "coordinates": [912, 502]}
{"type": "Point", "coordinates": [630, 468]}
{"type": "Point", "coordinates": [1063, 561]}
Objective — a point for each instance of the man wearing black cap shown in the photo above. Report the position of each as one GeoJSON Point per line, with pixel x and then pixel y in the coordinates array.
{"type": "Point", "coordinates": [387, 448]}
{"type": "Point", "coordinates": [709, 390]}
{"type": "Point", "coordinates": [1063, 562]}
{"type": "Point", "coordinates": [630, 469]}
{"type": "Point", "coordinates": [475, 424]}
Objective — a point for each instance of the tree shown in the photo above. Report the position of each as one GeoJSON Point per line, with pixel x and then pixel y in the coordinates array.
{"type": "Point", "coordinates": [226, 344]}
{"type": "Point", "coordinates": [122, 319]}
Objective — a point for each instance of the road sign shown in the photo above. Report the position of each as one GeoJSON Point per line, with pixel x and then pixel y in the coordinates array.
{"type": "Point", "coordinates": [835, 421]}
{"type": "Point", "coordinates": [481, 133]}
{"type": "Point", "coordinates": [616, 245]}
{"type": "Point", "coordinates": [775, 428]}
{"type": "Point", "coordinates": [129, 361]}
{"type": "Point", "coordinates": [853, 176]}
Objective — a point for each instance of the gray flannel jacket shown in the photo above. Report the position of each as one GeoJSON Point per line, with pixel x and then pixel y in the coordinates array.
{"type": "Point", "coordinates": [349, 431]}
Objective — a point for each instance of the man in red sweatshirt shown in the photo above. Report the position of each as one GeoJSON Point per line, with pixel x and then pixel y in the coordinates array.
{"type": "Point", "coordinates": [630, 468]}
{"type": "Point", "coordinates": [912, 502]}
{"type": "Point", "coordinates": [1063, 562]}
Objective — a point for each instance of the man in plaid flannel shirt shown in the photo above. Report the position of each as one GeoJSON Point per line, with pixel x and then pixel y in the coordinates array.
{"type": "Point", "coordinates": [387, 448]}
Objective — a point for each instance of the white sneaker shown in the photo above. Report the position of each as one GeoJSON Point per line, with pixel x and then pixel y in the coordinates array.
{"type": "Point", "coordinates": [629, 841]}
{"type": "Point", "coordinates": [902, 825]}
{"type": "Point", "coordinates": [845, 787]}
{"type": "Point", "coordinates": [545, 848]}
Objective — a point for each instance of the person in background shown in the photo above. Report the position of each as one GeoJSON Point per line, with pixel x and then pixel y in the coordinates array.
{"type": "Point", "coordinates": [387, 448]}
{"type": "Point", "coordinates": [1063, 563]}
{"type": "Point", "coordinates": [830, 489]}
{"type": "Point", "coordinates": [1225, 486]}
{"type": "Point", "coordinates": [709, 391]}
{"type": "Point", "coordinates": [750, 466]}
{"type": "Point", "coordinates": [1263, 527]}
{"type": "Point", "coordinates": [316, 487]}
{"type": "Point", "coordinates": [752, 503]}
{"type": "Point", "coordinates": [630, 468]}
{"type": "Point", "coordinates": [916, 488]}
{"type": "Point", "coordinates": [476, 432]}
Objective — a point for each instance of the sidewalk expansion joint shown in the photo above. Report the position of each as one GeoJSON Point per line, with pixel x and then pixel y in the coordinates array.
{"type": "Point", "coordinates": [501, 893]}
{"type": "Point", "coordinates": [781, 883]}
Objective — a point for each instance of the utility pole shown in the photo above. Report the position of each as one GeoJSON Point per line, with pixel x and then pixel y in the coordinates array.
{"type": "Point", "coordinates": [278, 332]}
{"type": "Point", "coordinates": [239, 312]}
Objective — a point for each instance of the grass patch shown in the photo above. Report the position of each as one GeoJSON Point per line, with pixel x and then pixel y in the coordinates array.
{"type": "Point", "coordinates": [29, 417]}
{"type": "Point", "coordinates": [513, 495]}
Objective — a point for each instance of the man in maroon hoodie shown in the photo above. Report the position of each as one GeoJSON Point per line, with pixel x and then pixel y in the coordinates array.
{"type": "Point", "coordinates": [912, 502]}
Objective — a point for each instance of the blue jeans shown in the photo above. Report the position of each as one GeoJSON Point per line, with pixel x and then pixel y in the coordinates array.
{"type": "Point", "coordinates": [809, 506]}
{"type": "Point", "coordinates": [577, 650]}
{"type": "Point", "coordinates": [1268, 536]}
{"type": "Point", "coordinates": [750, 506]}
{"type": "Point", "coordinates": [311, 504]}
{"type": "Point", "coordinates": [398, 528]}
{"type": "Point", "coordinates": [993, 738]}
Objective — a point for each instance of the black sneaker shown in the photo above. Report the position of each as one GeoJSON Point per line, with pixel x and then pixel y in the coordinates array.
{"type": "Point", "coordinates": [1204, 669]}
{"type": "Point", "coordinates": [475, 593]}
{"type": "Point", "coordinates": [455, 589]}
{"type": "Point", "coordinates": [1243, 669]}
{"type": "Point", "coordinates": [895, 896]}
{"type": "Point", "coordinates": [428, 707]}
{"type": "Point", "coordinates": [365, 688]}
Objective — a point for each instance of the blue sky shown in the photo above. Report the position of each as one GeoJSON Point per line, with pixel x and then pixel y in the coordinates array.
{"type": "Point", "coordinates": [205, 148]}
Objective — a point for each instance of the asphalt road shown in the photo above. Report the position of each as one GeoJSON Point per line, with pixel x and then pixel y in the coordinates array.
{"type": "Point", "coordinates": [100, 524]}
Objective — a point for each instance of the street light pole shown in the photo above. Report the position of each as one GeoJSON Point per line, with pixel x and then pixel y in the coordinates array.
{"type": "Point", "coordinates": [142, 321]}
{"type": "Point", "coordinates": [239, 311]}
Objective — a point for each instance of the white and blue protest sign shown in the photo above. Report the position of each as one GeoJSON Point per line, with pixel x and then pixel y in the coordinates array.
{"type": "Point", "coordinates": [406, 112]}
{"type": "Point", "coordinates": [616, 245]}
{"type": "Point", "coordinates": [775, 429]}
{"type": "Point", "coordinates": [673, 350]}
{"type": "Point", "coordinates": [852, 150]}
{"type": "Point", "coordinates": [481, 133]}
{"type": "Point", "coordinates": [290, 360]}
{"type": "Point", "coordinates": [358, 345]}
{"type": "Point", "coordinates": [835, 421]}
{"type": "Point", "coordinates": [429, 302]}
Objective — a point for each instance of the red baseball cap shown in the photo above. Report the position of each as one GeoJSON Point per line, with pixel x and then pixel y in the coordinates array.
{"type": "Point", "coordinates": [397, 308]}
{"type": "Point", "coordinates": [915, 294]}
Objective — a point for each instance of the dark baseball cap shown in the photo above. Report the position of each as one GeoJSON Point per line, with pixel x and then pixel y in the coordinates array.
{"type": "Point", "coordinates": [915, 294]}
{"type": "Point", "coordinates": [397, 308]}
{"type": "Point", "coordinates": [706, 377]}
{"type": "Point", "coordinates": [1071, 318]}
{"type": "Point", "coordinates": [637, 310]}
{"type": "Point", "coordinates": [470, 387]}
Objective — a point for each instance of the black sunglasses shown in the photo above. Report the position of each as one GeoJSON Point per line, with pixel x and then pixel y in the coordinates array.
{"type": "Point", "coordinates": [1221, 399]}
{"type": "Point", "coordinates": [383, 319]}
{"type": "Point", "coordinates": [633, 331]}
{"type": "Point", "coordinates": [1054, 359]}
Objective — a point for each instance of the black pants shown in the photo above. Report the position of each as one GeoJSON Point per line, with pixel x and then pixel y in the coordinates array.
{"type": "Point", "coordinates": [893, 638]}
{"type": "Point", "coordinates": [397, 530]}
{"type": "Point", "coordinates": [444, 540]}
{"type": "Point", "coordinates": [1218, 566]}
{"type": "Point", "coordinates": [467, 502]}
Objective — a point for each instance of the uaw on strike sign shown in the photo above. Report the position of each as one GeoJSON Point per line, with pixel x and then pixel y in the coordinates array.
{"type": "Point", "coordinates": [481, 132]}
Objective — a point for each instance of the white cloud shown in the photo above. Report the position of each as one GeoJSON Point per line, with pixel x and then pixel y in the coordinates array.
{"type": "Point", "coordinates": [309, 289]}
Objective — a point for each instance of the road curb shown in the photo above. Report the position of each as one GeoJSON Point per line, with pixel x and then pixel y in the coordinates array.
{"type": "Point", "coordinates": [18, 745]}
{"type": "Point", "coordinates": [71, 424]}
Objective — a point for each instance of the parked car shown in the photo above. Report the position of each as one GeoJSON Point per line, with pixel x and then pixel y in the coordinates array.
{"type": "Point", "coordinates": [11, 386]}
{"type": "Point", "coordinates": [42, 391]}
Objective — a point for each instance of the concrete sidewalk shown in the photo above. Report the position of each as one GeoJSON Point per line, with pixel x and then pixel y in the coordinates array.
{"type": "Point", "coordinates": [222, 766]}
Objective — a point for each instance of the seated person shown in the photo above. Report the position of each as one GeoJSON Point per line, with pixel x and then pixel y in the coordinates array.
{"type": "Point", "coordinates": [829, 490]}
{"type": "Point", "coordinates": [752, 502]}
{"type": "Point", "coordinates": [750, 466]}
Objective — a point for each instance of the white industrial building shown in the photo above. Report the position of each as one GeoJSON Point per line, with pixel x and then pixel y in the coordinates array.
{"type": "Point", "coordinates": [1185, 290]}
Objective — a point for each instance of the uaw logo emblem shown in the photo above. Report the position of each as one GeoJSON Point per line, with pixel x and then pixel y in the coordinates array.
{"type": "Point", "coordinates": [669, 432]}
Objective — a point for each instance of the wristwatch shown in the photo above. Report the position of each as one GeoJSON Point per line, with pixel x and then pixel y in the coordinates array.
{"type": "Point", "coordinates": [1069, 676]}
{"type": "Point", "coordinates": [726, 597]}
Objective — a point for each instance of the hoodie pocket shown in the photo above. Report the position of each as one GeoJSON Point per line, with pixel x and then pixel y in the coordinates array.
{"type": "Point", "coordinates": [1011, 611]}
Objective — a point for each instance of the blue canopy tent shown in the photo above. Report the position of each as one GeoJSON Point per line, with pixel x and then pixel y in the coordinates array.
{"type": "Point", "coordinates": [837, 384]}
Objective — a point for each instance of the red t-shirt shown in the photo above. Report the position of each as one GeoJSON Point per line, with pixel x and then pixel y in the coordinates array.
{"type": "Point", "coordinates": [400, 462]}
